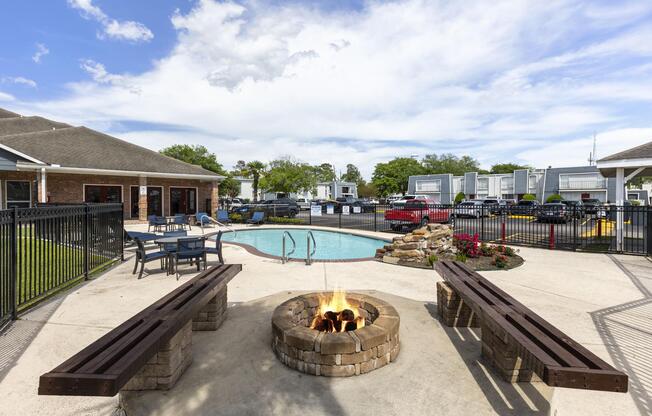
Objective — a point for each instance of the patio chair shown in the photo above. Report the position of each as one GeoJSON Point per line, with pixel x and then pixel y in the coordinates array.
{"type": "Point", "coordinates": [191, 248]}
{"type": "Point", "coordinates": [156, 222]}
{"type": "Point", "coordinates": [180, 221]}
{"type": "Point", "coordinates": [142, 257]}
{"type": "Point", "coordinates": [223, 216]}
{"type": "Point", "coordinates": [257, 218]}
{"type": "Point", "coordinates": [202, 218]}
{"type": "Point", "coordinates": [178, 233]}
{"type": "Point", "coordinates": [218, 247]}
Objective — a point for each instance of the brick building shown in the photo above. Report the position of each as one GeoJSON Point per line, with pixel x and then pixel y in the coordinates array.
{"type": "Point", "coordinates": [43, 161]}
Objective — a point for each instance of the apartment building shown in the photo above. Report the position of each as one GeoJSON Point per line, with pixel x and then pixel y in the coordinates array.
{"type": "Point", "coordinates": [323, 190]}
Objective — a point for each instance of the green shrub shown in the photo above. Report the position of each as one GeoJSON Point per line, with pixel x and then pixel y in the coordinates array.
{"type": "Point", "coordinates": [284, 220]}
{"type": "Point", "coordinates": [459, 197]}
{"type": "Point", "coordinates": [529, 197]}
{"type": "Point", "coordinates": [635, 202]}
{"type": "Point", "coordinates": [554, 198]}
{"type": "Point", "coordinates": [505, 251]}
{"type": "Point", "coordinates": [432, 259]}
{"type": "Point", "coordinates": [461, 257]}
{"type": "Point", "coordinates": [500, 261]}
{"type": "Point", "coordinates": [236, 217]}
{"type": "Point", "coordinates": [486, 250]}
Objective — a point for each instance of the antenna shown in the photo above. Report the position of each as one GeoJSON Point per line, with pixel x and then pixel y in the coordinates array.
{"type": "Point", "coordinates": [592, 155]}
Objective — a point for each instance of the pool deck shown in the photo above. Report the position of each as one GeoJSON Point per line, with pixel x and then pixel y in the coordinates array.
{"type": "Point", "coordinates": [604, 302]}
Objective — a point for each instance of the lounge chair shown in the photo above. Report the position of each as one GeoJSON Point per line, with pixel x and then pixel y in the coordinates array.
{"type": "Point", "coordinates": [223, 216]}
{"type": "Point", "coordinates": [218, 247]}
{"type": "Point", "coordinates": [257, 218]}
{"type": "Point", "coordinates": [130, 237]}
{"type": "Point", "coordinates": [142, 257]}
{"type": "Point", "coordinates": [202, 219]}
{"type": "Point", "coordinates": [193, 249]}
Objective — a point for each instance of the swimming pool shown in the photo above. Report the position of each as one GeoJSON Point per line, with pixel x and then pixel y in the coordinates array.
{"type": "Point", "coordinates": [331, 245]}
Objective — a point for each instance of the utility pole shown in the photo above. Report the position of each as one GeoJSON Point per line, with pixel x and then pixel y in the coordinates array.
{"type": "Point", "coordinates": [592, 156]}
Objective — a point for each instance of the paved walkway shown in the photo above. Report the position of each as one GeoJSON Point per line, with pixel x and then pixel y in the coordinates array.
{"type": "Point", "coordinates": [603, 301]}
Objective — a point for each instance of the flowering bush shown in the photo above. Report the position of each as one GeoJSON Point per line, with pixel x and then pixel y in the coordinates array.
{"type": "Point", "coordinates": [504, 250]}
{"type": "Point", "coordinates": [467, 245]}
{"type": "Point", "coordinates": [487, 250]}
{"type": "Point", "coordinates": [500, 261]}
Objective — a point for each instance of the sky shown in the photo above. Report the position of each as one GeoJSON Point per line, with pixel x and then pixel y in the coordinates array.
{"type": "Point", "coordinates": [339, 82]}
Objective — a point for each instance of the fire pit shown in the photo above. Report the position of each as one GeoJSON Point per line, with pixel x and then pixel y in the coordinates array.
{"type": "Point", "coordinates": [335, 334]}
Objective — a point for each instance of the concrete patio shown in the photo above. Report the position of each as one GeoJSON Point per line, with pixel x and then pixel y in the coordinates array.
{"type": "Point", "coordinates": [602, 301]}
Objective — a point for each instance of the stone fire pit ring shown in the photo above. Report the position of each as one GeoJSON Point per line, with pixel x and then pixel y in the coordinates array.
{"type": "Point", "coordinates": [340, 354]}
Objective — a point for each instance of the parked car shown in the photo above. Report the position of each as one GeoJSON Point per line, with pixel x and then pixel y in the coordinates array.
{"type": "Point", "coordinates": [504, 206]}
{"type": "Point", "coordinates": [403, 200]}
{"type": "Point", "coordinates": [575, 208]}
{"type": "Point", "coordinates": [473, 208]}
{"type": "Point", "coordinates": [282, 207]}
{"type": "Point", "coordinates": [591, 205]}
{"type": "Point", "coordinates": [303, 203]}
{"type": "Point", "coordinates": [372, 201]}
{"type": "Point", "coordinates": [525, 207]}
{"type": "Point", "coordinates": [553, 212]}
{"type": "Point", "coordinates": [416, 212]}
{"type": "Point", "coordinates": [231, 203]}
{"type": "Point", "coordinates": [354, 203]}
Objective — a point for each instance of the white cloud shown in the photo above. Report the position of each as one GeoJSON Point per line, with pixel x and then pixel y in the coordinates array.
{"type": "Point", "coordinates": [6, 97]}
{"type": "Point", "coordinates": [513, 80]}
{"type": "Point", "coordinates": [112, 28]}
{"type": "Point", "coordinates": [20, 80]}
{"type": "Point", "coordinates": [41, 51]}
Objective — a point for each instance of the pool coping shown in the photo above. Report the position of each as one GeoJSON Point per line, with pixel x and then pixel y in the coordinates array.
{"type": "Point", "coordinates": [253, 250]}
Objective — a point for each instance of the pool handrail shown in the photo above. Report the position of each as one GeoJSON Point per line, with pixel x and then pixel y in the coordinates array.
{"type": "Point", "coordinates": [219, 224]}
{"type": "Point", "coordinates": [309, 254]}
{"type": "Point", "coordinates": [285, 257]}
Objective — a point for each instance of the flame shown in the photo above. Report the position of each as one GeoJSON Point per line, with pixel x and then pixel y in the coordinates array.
{"type": "Point", "coordinates": [337, 303]}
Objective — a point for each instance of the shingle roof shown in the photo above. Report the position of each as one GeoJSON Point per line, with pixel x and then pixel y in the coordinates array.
{"type": "Point", "coordinates": [16, 125]}
{"type": "Point", "coordinates": [7, 114]}
{"type": "Point", "coordinates": [643, 151]}
{"type": "Point", "coordinates": [79, 147]}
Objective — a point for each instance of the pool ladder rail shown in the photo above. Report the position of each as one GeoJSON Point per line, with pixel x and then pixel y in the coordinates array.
{"type": "Point", "coordinates": [285, 257]}
{"type": "Point", "coordinates": [309, 253]}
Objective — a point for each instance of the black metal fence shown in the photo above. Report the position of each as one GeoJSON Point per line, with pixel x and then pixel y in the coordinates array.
{"type": "Point", "coordinates": [568, 228]}
{"type": "Point", "coordinates": [45, 249]}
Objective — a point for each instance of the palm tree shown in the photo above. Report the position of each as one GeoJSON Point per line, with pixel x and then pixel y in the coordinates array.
{"type": "Point", "coordinates": [255, 169]}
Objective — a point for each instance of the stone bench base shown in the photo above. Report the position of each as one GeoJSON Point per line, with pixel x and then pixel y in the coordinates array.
{"type": "Point", "coordinates": [497, 351]}
{"type": "Point", "coordinates": [163, 370]}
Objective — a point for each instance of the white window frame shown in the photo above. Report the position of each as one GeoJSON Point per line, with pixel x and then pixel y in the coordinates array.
{"type": "Point", "coordinates": [595, 175]}
{"type": "Point", "coordinates": [511, 187]}
{"type": "Point", "coordinates": [183, 187]}
{"type": "Point", "coordinates": [418, 190]}
{"type": "Point", "coordinates": [122, 190]}
{"type": "Point", "coordinates": [6, 201]}
{"type": "Point", "coordinates": [478, 189]}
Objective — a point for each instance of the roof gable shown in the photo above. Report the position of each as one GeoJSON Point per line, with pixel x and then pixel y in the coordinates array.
{"type": "Point", "coordinates": [643, 151]}
{"type": "Point", "coordinates": [18, 125]}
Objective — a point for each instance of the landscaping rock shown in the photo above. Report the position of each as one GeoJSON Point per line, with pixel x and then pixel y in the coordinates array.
{"type": "Point", "coordinates": [414, 248]}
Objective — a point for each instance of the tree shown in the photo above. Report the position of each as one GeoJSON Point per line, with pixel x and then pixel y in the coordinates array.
{"type": "Point", "coordinates": [449, 163]}
{"type": "Point", "coordinates": [196, 155]}
{"type": "Point", "coordinates": [507, 167]}
{"type": "Point", "coordinates": [353, 175]}
{"type": "Point", "coordinates": [529, 197]}
{"type": "Point", "coordinates": [229, 187]}
{"type": "Point", "coordinates": [325, 172]}
{"type": "Point", "coordinates": [240, 168]}
{"type": "Point", "coordinates": [392, 177]}
{"type": "Point", "coordinates": [459, 197]}
{"type": "Point", "coordinates": [367, 190]}
{"type": "Point", "coordinates": [554, 198]}
{"type": "Point", "coordinates": [254, 169]}
{"type": "Point", "coordinates": [289, 176]}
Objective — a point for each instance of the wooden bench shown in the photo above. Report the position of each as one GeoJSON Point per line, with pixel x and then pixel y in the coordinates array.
{"type": "Point", "coordinates": [517, 342]}
{"type": "Point", "coordinates": [150, 350]}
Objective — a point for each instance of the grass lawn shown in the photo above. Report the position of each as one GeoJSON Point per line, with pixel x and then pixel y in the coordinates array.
{"type": "Point", "coordinates": [45, 267]}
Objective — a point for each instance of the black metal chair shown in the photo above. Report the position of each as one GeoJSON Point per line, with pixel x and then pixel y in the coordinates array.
{"type": "Point", "coordinates": [218, 247]}
{"type": "Point", "coordinates": [181, 221]}
{"type": "Point", "coordinates": [156, 222]}
{"type": "Point", "coordinates": [192, 249]}
{"type": "Point", "coordinates": [142, 257]}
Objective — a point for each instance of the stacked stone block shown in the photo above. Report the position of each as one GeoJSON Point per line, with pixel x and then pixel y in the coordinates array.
{"type": "Point", "coordinates": [452, 310]}
{"type": "Point", "coordinates": [335, 354]}
{"type": "Point", "coordinates": [414, 249]}
{"type": "Point", "coordinates": [211, 316]}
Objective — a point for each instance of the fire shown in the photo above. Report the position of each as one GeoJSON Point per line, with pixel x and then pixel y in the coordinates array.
{"type": "Point", "coordinates": [336, 314]}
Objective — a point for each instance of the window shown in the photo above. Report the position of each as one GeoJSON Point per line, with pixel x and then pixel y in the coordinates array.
{"type": "Point", "coordinates": [154, 200]}
{"type": "Point", "coordinates": [18, 194]}
{"type": "Point", "coordinates": [582, 181]}
{"type": "Point", "coordinates": [183, 201]}
{"type": "Point", "coordinates": [507, 183]}
{"type": "Point", "coordinates": [428, 185]}
{"type": "Point", "coordinates": [101, 194]}
{"type": "Point", "coordinates": [345, 190]}
{"type": "Point", "coordinates": [483, 184]}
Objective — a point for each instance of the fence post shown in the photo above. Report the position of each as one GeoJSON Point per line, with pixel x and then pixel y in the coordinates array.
{"type": "Point", "coordinates": [648, 226]}
{"type": "Point", "coordinates": [340, 218]}
{"type": "Point", "coordinates": [576, 219]}
{"type": "Point", "coordinates": [503, 232]}
{"type": "Point", "coordinates": [121, 221]}
{"type": "Point", "coordinates": [375, 217]}
{"type": "Point", "coordinates": [85, 241]}
{"type": "Point", "coordinates": [551, 242]}
{"type": "Point", "coordinates": [482, 213]}
{"type": "Point", "coordinates": [13, 275]}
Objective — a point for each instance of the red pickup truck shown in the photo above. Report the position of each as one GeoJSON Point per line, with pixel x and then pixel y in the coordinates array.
{"type": "Point", "coordinates": [416, 212]}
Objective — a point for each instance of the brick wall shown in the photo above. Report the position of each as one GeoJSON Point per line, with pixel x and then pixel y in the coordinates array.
{"type": "Point", "coordinates": [69, 188]}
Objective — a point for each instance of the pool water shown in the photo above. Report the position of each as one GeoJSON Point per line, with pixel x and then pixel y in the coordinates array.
{"type": "Point", "coordinates": [330, 245]}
